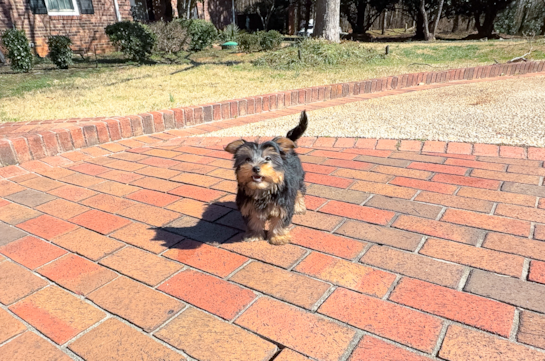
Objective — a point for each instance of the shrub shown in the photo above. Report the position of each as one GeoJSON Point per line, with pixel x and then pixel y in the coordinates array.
{"type": "Point", "coordinates": [202, 33]}
{"type": "Point", "coordinates": [135, 40]}
{"type": "Point", "coordinates": [531, 23]}
{"type": "Point", "coordinates": [270, 40]}
{"type": "Point", "coordinates": [171, 38]}
{"type": "Point", "coordinates": [59, 51]}
{"type": "Point", "coordinates": [261, 40]}
{"type": "Point", "coordinates": [18, 47]}
{"type": "Point", "coordinates": [317, 53]}
{"type": "Point", "coordinates": [249, 43]}
{"type": "Point", "coordinates": [229, 33]}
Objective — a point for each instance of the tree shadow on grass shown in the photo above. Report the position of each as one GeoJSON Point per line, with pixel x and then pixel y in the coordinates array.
{"type": "Point", "coordinates": [195, 64]}
{"type": "Point", "coordinates": [220, 222]}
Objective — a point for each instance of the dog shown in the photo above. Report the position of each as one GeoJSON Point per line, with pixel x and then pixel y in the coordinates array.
{"type": "Point", "coordinates": [271, 184]}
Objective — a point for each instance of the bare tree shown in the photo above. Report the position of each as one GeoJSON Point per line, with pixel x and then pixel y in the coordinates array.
{"type": "Point", "coordinates": [266, 7]}
{"type": "Point", "coordinates": [430, 35]}
{"type": "Point", "coordinates": [437, 18]}
{"type": "Point", "coordinates": [361, 14]}
{"type": "Point", "coordinates": [456, 23]}
{"type": "Point", "coordinates": [308, 9]}
{"type": "Point", "coordinates": [483, 12]}
{"type": "Point", "coordinates": [185, 8]}
{"type": "Point", "coordinates": [328, 17]}
{"type": "Point", "coordinates": [424, 14]}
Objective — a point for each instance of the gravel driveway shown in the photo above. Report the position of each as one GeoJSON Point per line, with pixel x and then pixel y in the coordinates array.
{"type": "Point", "coordinates": [501, 112]}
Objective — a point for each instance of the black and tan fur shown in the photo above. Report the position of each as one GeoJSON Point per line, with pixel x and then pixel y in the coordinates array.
{"type": "Point", "coordinates": [271, 186]}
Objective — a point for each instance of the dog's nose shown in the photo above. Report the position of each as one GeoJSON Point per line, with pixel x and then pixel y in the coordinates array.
{"type": "Point", "coordinates": [256, 169]}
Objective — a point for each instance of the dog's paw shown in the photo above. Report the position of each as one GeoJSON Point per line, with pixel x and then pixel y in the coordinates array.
{"type": "Point", "coordinates": [253, 237]}
{"type": "Point", "coordinates": [300, 210]}
{"type": "Point", "coordinates": [300, 207]}
{"type": "Point", "coordinates": [280, 240]}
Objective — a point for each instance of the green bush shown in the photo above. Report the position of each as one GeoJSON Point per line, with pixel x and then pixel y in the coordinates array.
{"type": "Point", "coordinates": [261, 40]}
{"type": "Point", "coordinates": [312, 53]}
{"type": "Point", "coordinates": [135, 40]}
{"type": "Point", "coordinates": [170, 38]}
{"type": "Point", "coordinates": [59, 51]}
{"type": "Point", "coordinates": [203, 33]}
{"type": "Point", "coordinates": [229, 33]}
{"type": "Point", "coordinates": [249, 43]}
{"type": "Point", "coordinates": [270, 40]}
{"type": "Point", "coordinates": [18, 47]}
{"type": "Point", "coordinates": [532, 22]}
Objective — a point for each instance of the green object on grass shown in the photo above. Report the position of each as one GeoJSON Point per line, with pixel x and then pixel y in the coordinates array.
{"type": "Point", "coordinates": [229, 45]}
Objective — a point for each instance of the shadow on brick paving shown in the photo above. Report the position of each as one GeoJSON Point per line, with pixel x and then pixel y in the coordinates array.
{"type": "Point", "coordinates": [220, 222]}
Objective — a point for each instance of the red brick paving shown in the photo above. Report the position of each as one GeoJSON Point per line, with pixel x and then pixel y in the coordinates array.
{"type": "Point", "coordinates": [411, 254]}
{"type": "Point", "coordinates": [57, 314]}
{"type": "Point", "coordinates": [212, 294]}
{"type": "Point", "coordinates": [384, 318]}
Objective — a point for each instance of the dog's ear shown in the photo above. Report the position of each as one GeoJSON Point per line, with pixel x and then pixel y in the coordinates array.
{"type": "Point", "coordinates": [285, 144]}
{"type": "Point", "coordinates": [233, 146]}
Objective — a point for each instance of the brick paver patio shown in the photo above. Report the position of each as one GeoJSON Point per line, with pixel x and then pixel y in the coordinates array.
{"type": "Point", "coordinates": [403, 255]}
{"type": "Point", "coordinates": [409, 251]}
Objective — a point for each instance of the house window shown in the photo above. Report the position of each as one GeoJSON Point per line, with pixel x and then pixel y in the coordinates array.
{"type": "Point", "coordinates": [62, 7]}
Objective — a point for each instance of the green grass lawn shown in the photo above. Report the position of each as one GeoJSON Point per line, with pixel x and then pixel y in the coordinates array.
{"type": "Point", "coordinates": [115, 86]}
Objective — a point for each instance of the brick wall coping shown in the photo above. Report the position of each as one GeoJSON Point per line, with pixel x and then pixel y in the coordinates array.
{"type": "Point", "coordinates": [25, 141]}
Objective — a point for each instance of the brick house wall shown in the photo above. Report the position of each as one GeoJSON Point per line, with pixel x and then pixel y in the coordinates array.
{"type": "Point", "coordinates": [85, 30]}
{"type": "Point", "coordinates": [218, 12]}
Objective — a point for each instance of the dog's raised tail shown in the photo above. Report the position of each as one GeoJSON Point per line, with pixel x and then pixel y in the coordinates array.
{"type": "Point", "coordinates": [298, 131]}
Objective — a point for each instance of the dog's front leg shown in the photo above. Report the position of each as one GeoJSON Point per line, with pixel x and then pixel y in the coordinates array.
{"type": "Point", "coordinates": [300, 207]}
{"type": "Point", "coordinates": [279, 232]}
{"type": "Point", "coordinates": [255, 227]}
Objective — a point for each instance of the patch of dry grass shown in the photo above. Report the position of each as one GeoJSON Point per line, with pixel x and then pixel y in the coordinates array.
{"type": "Point", "coordinates": [221, 76]}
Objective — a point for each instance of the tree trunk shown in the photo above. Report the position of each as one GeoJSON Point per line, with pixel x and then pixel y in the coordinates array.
{"type": "Point", "coordinates": [180, 6]}
{"type": "Point", "coordinates": [168, 14]}
{"type": "Point", "coordinates": [151, 13]}
{"type": "Point", "coordinates": [456, 24]}
{"type": "Point", "coordinates": [299, 14]}
{"type": "Point", "coordinates": [522, 20]}
{"type": "Point", "coordinates": [384, 17]}
{"type": "Point", "coordinates": [427, 35]}
{"type": "Point", "coordinates": [291, 19]}
{"type": "Point", "coordinates": [327, 19]}
{"type": "Point", "coordinates": [307, 14]}
{"type": "Point", "coordinates": [361, 7]}
{"type": "Point", "coordinates": [468, 24]}
{"type": "Point", "coordinates": [543, 27]}
{"type": "Point", "coordinates": [268, 17]}
{"type": "Point", "coordinates": [392, 19]}
{"type": "Point", "coordinates": [437, 18]}
{"type": "Point", "coordinates": [518, 17]}
{"type": "Point", "coordinates": [262, 18]}
{"type": "Point", "coordinates": [487, 27]}
{"type": "Point", "coordinates": [419, 27]}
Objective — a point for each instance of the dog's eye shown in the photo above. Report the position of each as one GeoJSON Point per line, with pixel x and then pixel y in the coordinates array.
{"type": "Point", "coordinates": [267, 159]}
{"type": "Point", "coordinates": [248, 159]}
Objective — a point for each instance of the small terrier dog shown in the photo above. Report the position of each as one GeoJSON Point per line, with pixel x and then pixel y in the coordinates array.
{"type": "Point", "coordinates": [271, 184]}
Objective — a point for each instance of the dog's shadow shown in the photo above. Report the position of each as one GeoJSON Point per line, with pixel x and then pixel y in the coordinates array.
{"type": "Point", "coordinates": [219, 223]}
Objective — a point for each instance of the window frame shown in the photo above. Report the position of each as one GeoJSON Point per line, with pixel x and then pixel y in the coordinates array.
{"type": "Point", "coordinates": [74, 12]}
